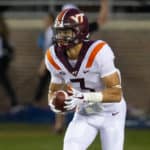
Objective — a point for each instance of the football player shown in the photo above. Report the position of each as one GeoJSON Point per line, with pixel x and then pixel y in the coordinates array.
{"type": "Point", "coordinates": [96, 93]}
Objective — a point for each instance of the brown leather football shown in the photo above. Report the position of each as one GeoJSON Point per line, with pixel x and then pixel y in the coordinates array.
{"type": "Point", "coordinates": [59, 99]}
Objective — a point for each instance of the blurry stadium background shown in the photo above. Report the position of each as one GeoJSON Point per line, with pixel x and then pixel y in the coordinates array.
{"type": "Point", "coordinates": [128, 33]}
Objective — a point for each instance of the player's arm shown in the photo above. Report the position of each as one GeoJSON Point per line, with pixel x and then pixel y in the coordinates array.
{"type": "Point", "coordinates": [111, 93]}
{"type": "Point", "coordinates": [113, 90]}
{"type": "Point", "coordinates": [56, 82]}
{"type": "Point", "coordinates": [42, 68]}
{"type": "Point", "coordinates": [103, 13]}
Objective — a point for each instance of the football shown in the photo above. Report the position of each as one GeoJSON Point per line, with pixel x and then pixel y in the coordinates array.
{"type": "Point", "coordinates": [59, 99]}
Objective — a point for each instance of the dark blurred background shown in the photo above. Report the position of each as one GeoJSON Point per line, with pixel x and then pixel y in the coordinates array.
{"type": "Point", "coordinates": [127, 31]}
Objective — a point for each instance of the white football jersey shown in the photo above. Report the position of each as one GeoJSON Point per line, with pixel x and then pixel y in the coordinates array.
{"type": "Point", "coordinates": [96, 61]}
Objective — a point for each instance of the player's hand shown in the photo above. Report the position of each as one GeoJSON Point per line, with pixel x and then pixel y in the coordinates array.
{"type": "Point", "coordinates": [93, 97]}
{"type": "Point", "coordinates": [74, 93]}
{"type": "Point", "coordinates": [72, 102]}
{"type": "Point", "coordinates": [53, 108]}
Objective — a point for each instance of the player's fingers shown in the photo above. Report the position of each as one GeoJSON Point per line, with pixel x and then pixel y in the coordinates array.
{"type": "Point", "coordinates": [56, 110]}
{"type": "Point", "coordinates": [69, 107]}
{"type": "Point", "coordinates": [68, 102]}
{"type": "Point", "coordinates": [51, 105]}
{"type": "Point", "coordinates": [53, 108]}
{"type": "Point", "coordinates": [72, 91]}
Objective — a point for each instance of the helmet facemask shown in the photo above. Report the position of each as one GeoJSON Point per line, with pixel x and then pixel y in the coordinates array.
{"type": "Point", "coordinates": [66, 37]}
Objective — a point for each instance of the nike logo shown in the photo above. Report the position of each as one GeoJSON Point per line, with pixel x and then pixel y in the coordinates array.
{"type": "Point", "coordinates": [115, 113]}
{"type": "Point", "coordinates": [81, 97]}
{"type": "Point", "coordinates": [62, 73]}
{"type": "Point", "coordinates": [85, 71]}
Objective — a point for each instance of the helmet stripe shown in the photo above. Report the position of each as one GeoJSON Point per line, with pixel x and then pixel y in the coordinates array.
{"type": "Point", "coordinates": [61, 15]}
{"type": "Point", "coordinates": [93, 54]}
{"type": "Point", "coordinates": [51, 60]}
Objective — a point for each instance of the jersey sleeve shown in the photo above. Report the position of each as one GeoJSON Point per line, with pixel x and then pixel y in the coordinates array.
{"type": "Point", "coordinates": [106, 61]}
{"type": "Point", "coordinates": [55, 77]}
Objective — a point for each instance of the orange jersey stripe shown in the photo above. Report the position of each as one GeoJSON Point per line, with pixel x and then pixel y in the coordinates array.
{"type": "Point", "coordinates": [93, 54]}
{"type": "Point", "coordinates": [51, 60]}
